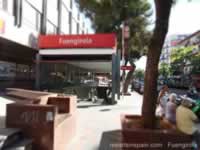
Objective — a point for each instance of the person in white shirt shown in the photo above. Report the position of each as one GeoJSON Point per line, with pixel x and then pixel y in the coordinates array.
{"type": "Point", "coordinates": [162, 101]}
{"type": "Point", "coordinates": [170, 110]}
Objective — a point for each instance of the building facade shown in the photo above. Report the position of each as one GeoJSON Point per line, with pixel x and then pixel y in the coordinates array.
{"type": "Point", "coordinates": [192, 40]}
{"type": "Point", "coordinates": [21, 23]}
{"type": "Point", "coordinates": [28, 18]}
{"type": "Point", "coordinates": [190, 69]}
{"type": "Point", "coordinates": [170, 43]}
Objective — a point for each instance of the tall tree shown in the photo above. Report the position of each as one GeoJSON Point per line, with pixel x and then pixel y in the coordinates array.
{"type": "Point", "coordinates": [163, 9]}
{"type": "Point", "coordinates": [108, 15]}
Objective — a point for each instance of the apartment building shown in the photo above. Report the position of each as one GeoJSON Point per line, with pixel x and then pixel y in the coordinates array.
{"type": "Point", "coordinates": [192, 41]}
{"type": "Point", "coordinates": [170, 43]}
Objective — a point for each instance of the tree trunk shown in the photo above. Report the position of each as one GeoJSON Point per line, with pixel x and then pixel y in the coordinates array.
{"type": "Point", "coordinates": [163, 8]}
{"type": "Point", "coordinates": [127, 81]}
{"type": "Point", "coordinates": [124, 75]}
{"type": "Point", "coordinates": [129, 76]}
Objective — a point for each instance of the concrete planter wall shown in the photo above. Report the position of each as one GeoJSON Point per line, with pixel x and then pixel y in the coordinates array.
{"type": "Point", "coordinates": [134, 137]}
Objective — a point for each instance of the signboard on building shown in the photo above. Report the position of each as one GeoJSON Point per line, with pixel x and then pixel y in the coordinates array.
{"type": "Point", "coordinates": [77, 41]}
{"type": "Point", "coordinates": [127, 68]}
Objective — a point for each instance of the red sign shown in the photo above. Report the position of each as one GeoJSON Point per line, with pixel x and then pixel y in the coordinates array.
{"type": "Point", "coordinates": [77, 41]}
{"type": "Point", "coordinates": [174, 43]}
{"type": "Point", "coordinates": [127, 68]}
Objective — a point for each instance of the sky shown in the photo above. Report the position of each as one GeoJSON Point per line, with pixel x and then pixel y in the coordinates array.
{"type": "Point", "coordinates": [184, 19]}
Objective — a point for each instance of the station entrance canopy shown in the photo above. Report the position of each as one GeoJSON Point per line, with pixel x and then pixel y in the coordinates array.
{"type": "Point", "coordinates": [91, 44]}
{"type": "Point", "coordinates": [89, 53]}
{"type": "Point", "coordinates": [80, 50]}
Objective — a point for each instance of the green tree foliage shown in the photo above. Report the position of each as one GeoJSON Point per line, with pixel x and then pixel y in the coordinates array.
{"type": "Point", "coordinates": [183, 56]}
{"type": "Point", "coordinates": [164, 70]}
{"type": "Point", "coordinates": [139, 74]}
{"type": "Point", "coordinates": [195, 63]}
{"type": "Point", "coordinates": [107, 16]}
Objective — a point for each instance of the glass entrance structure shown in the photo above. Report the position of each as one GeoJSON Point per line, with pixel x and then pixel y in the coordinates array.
{"type": "Point", "coordinates": [77, 64]}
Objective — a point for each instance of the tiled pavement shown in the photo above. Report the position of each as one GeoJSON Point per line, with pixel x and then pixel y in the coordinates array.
{"type": "Point", "coordinates": [97, 121]}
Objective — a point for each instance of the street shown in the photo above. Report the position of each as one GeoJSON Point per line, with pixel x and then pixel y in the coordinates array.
{"type": "Point", "coordinates": [178, 91]}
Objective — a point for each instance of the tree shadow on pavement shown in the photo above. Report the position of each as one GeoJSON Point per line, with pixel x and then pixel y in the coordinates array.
{"type": "Point", "coordinates": [111, 140]}
{"type": "Point", "coordinates": [105, 110]}
{"type": "Point", "coordinates": [87, 106]}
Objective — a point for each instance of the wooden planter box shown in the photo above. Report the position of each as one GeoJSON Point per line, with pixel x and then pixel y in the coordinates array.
{"type": "Point", "coordinates": [135, 137]}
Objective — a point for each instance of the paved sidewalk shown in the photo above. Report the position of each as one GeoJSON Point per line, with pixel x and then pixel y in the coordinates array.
{"type": "Point", "coordinates": [95, 120]}
{"type": "Point", "coordinates": [3, 103]}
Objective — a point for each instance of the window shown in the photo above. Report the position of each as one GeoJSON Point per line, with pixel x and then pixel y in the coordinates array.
{"type": "Point", "coordinates": [65, 23]}
{"type": "Point", "coordinates": [78, 28]}
{"type": "Point", "coordinates": [74, 26]}
{"type": "Point", "coordinates": [22, 72]}
{"type": "Point", "coordinates": [7, 70]}
{"type": "Point", "coordinates": [78, 17]}
{"type": "Point", "coordinates": [36, 3]}
{"type": "Point", "coordinates": [7, 6]}
{"type": "Point", "coordinates": [71, 4]}
{"type": "Point", "coordinates": [52, 11]}
{"type": "Point", "coordinates": [83, 28]}
{"type": "Point", "coordinates": [70, 22]}
{"type": "Point", "coordinates": [51, 28]}
{"type": "Point", "coordinates": [4, 5]}
{"type": "Point", "coordinates": [31, 16]}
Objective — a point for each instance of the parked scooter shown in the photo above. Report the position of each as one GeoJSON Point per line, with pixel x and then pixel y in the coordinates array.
{"type": "Point", "coordinates": [193, 93]}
